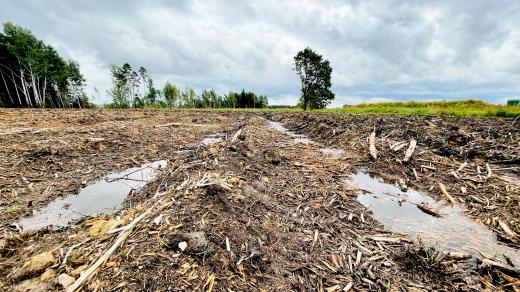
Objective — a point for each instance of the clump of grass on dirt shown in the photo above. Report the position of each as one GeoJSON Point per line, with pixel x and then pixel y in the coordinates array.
{"type": "Point", "coordinates": [11, 211]}
{"type": "Point", "coordinates": [471, 107]}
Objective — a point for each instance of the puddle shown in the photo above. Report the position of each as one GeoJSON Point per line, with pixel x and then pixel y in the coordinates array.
{"type": "Point", "coordinates": [102, 197]}
{"type": "Point", "coordinates": [212, 139]}
{"type": "Point", "coordinates": [333, 152]}
{"type": "Point", "coordinates": [453, 231]}
{"type": "Point", "coordinates": [298, 138]}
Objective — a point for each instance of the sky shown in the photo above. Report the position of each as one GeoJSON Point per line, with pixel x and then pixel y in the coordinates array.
{"type": "Point", "coordinates": [388, 50]}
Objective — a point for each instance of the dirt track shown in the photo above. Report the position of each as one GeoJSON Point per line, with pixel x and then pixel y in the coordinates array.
{"type": "Point", "coordinates": [256, 211]}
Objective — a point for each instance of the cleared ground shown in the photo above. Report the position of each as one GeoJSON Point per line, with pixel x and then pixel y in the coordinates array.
{"type": "Point", "coordinates": [256, 211]}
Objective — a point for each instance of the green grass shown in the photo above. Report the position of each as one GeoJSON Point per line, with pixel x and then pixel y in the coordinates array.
{"type": "Point", "coordinates": [461, 108]}
{"type": "Point", "coordinates": [473, 108]}
{"type": "Point", "coordinates": [11, 211]}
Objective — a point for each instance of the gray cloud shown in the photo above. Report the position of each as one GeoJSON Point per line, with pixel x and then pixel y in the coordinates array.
{"type": "Point", "coordinates": [380, 50]}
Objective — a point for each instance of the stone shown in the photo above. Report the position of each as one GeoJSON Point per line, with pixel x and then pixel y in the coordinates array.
{"type": "Point", "coordinates": [234, 181]}
{"type": "Point", "coordinates": [48, 275]}
{"type": "Point", "coordinates": [99, 227]}
{"type": "Point", "coordinates": [33, 285]}
{"type": "Point", "coordinates": [36, 265]}
{"type": "Point", "coordinates": [77, 271]}
{"type": "Point", "coordinates": [65, 280]}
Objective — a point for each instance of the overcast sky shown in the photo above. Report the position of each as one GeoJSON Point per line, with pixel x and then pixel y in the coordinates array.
{"type": "Point", "coordinates": [379, 50]}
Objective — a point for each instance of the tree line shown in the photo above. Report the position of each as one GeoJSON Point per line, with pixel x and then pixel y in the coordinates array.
{"type": "Point", "coordinates": [33, 74]}
{"type": "Point", "coordinates": [135, 89]}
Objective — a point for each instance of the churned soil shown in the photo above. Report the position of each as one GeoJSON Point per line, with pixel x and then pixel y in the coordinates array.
{"type": "Point", "coordinates": [255, 211]}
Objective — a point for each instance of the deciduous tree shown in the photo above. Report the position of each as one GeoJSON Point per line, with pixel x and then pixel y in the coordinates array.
{"type": "Point", "coordinates": [315, 74]}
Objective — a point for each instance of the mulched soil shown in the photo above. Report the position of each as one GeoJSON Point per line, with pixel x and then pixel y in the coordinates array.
{"type": "Point", "coordinates": [253, 212]}
{"type": "Point", "coordinates": [452, 151]}
{"type": "Point", "coordinates": [51, 153]}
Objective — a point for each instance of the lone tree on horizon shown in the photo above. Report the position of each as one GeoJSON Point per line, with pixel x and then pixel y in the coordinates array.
{"type": "Point", "coordinates": [315, 73]}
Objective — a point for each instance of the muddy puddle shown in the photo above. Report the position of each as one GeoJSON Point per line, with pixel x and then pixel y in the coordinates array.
{"type": "Point", "coordinates": [332, 152]}
{"type": "Point", "coordinates": [303, 139]}
{"type": "Point", "coordinates": [298, 138]}
{"type": "Point", "coordinates": [212, 139]}
{"type": "Point", "coordinates": [452, 231]}
{"type": "Point", "coordinates": [102, 197]}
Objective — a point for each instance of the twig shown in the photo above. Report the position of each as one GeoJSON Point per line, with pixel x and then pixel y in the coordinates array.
{"type": "Point", "coordinates": [445, 193]}
{"type": "Point", "coordinates": [122, 236]}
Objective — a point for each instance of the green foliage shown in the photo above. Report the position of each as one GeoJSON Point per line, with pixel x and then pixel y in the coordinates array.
{"type": "Point", "coordinates": [470, 107]}
{"type": "Point", "coordinates": [315, 75]}
{"type": "Point", "coordinates": [32, 74]}
{"type": "Point", "coordinates": [172, 94]}
{"type": "Point", "coordinates": [11, 211]}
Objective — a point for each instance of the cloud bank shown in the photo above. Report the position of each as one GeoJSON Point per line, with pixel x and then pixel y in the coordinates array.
{"type": "Point", "coordinates": [380, 50]}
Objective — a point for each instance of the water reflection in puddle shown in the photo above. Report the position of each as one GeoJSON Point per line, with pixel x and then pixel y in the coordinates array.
{"type": "Point", "coordinates": [453, 231]}
{"type": "Point", "coordinates": [102, 197]}
{"type": "Point", "coordinates": [298, 138]}
{"type": "Point", "coordinates": [212, 139]}
{"type": "Point", "coordinates": [333, 152]}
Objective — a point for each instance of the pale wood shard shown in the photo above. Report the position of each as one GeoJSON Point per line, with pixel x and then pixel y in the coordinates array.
{"type": "Point", "coordinates": [122, 237]}
{"type": "Point", "coordinates": [415, 174]}
{"type": "Point", "coordinates": [462, 166]}
{"type": "Point", "coordinates": [442, 187]}
{"type": "Point", "coordinates": [228, 246]}
{"type": "Point", "coordinates": [487, 263]}
{"type": "Point", "coordinates": [458, 255]}
{"type": "Point", "coordinates": [398, 146]}
{"type": "Point", "coordinates": [388, 239]}
{"type": "Point", "coordinates": [358, 257]}
{"type": "Point", "coordinates": [512, 235]}
{"type": "Point", "coordinates": [428, 210]}
{"type": "Point", "coordinates": [168, 125]}
{"type": "Point", "coordinates": [235, 136]}
{"type": "Point", "coordinates": [372, 145]}
{"type": "Point", "coordinates": [410, 150]}
{"type": "Point", "coordinates": [489, 173]}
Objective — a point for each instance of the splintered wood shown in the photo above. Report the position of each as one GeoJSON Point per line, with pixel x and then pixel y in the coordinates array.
{"type": "Point", "coordinates": [372, 145]}
{"type": "Point", "coordinates": [410, 150]}
{"type": "Point", "coordinates": [443, 190]}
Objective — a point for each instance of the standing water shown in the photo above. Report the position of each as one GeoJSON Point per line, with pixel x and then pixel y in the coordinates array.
{"type": "Point", "coordinates": [398, 210]}
{"type": "Point", "coordinates": [102, 197]}
{"type": "Point", "coordinates": [299, 138]}
{"type": "Point", "coordinates": [452, 231]}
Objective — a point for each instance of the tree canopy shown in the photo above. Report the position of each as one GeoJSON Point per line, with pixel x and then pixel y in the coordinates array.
{"type": "Point", "coordinates": [135, 89]}
{"type": "Point", "coordinates": [33, 74]}
{"type": "Point", "coordinates": [315, 74]}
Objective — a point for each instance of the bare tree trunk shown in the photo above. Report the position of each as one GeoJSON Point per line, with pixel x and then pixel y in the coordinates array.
{"type": "Point", "coordinates": [44, 87]}
{"type": "Point", "coordinates": [16, 88]}
{"type": "Point", "coordinates": [35, 90]}
{"type": "Point", "coordinates": [25, 91]}
{"type": "Point", "coordinates": [7, 88]}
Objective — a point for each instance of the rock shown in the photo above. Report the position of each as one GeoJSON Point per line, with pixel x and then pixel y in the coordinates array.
{"type": "Point", "coordinates": [234, 181]}
{"type": "Point", "coordinates": [190, 243]}
{"type": "Point", "coordinates": [99, 227]}
{"type": "Point", "coordinates": [65, 280]}
{"type": "Point", "coordinates": [35, 265]}
{"type": "Point", "coordinates": [183, 245]}
{"type": "Point", "coordinates": [77, 272]}
{"type": "Point", "coordinates": [33, 285]}
{"type": "Point", "coordinates": [197, 241]}
{"type": "Point", "coordinates": [49, 275]}
{"type": "Point", "coordinates": [272, 157]}
{"type": "Point", "coordinates": [76, 258]}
